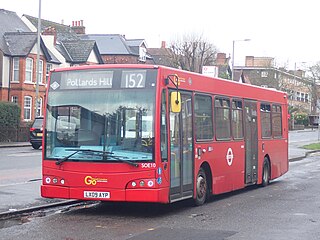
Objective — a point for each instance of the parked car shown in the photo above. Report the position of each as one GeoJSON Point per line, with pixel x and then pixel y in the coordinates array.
{"type": "Point", "coordinates": [36, 132]}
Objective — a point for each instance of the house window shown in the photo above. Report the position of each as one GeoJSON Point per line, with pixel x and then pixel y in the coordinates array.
{"type": "Point", "coordinates": [48, 68]}
{"type": "Point", "coordinates": [298, 96]}
{"type": "Point", "coordinates": [40, 72]}
{"type": "Point", "coordinates": [264, 74]}
{"type": "Point", "coordinates": [39, 107]}
{"type": "Point", "coordinates": [27, 108]}
{"type": "Point", "coordinates": [291, 95]}
{"type": "Point", "coordinates": [14, 99]}
{"type": "Point", "coordinates": [142, 54]}
{"type": "Point", "coordinates": [15, 73]}
{"type": "Point", "coordinates": [29, 70]}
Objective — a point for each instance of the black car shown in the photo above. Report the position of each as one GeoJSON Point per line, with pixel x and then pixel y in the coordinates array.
{"type": "Point", "coordinates": [36, 133]}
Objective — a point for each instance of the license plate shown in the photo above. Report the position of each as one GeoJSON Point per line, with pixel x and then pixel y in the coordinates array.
{"type": "Point", "coordinates": [39, 134]}
{"type": "Point", "coordinates": [99, 195]}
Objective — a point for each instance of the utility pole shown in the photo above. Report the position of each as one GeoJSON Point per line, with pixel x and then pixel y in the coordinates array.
{"type": "Point", "coordinates": [233, 46]}
{"type": "Point", "coordinates": [37, 102]}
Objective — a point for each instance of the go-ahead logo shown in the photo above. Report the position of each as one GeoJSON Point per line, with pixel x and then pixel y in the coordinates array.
{"type": "Point", "coordinates": [88, 180]}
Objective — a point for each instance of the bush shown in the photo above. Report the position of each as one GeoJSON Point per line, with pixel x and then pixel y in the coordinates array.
{"type": "Point", "coordinates": [9, 114]}
{"type": "Point", "coordinates": [301, 118]}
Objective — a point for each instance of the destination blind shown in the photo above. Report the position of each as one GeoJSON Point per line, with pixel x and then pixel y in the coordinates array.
{"type": "Point", "coordinates": [102, 79]}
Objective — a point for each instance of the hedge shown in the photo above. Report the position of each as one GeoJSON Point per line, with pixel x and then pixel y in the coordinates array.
{"type": "Point", "coordinates": [9, 114]}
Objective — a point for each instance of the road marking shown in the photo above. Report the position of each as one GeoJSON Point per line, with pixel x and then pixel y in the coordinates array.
{"type": "Point", "coordinates": [19, 183]}
{"type": "Point", "coordinates": [24, 154]}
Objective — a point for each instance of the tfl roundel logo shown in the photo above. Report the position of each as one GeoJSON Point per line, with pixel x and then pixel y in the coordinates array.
{"type": "Point", "coordinates": [229, 156]}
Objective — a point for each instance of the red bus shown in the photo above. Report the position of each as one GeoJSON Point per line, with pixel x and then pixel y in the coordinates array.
{"type": "Point", "coordinates": [145, 133]}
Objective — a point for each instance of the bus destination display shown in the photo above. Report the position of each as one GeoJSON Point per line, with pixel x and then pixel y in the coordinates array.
{"type": "Point", "coordinates": [98, 79]}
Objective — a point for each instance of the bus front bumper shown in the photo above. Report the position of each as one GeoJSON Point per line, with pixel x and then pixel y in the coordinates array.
{"type": "Point", "coordinates": [160, 195]}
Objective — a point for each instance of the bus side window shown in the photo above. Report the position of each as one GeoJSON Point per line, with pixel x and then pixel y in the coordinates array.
{"type": "Point", "coordinates": [265, 114]}
{"type": "Point", "coordinates": [203, 117]}
{"type": "Point", "coordinates": [222, 118]}
{"type": "Point", "coordinates": [164, 128]}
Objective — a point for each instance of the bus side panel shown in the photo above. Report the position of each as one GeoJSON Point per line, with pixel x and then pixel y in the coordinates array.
{"type": "Point", "coordinates": [273, 148]}
{"type": "Point", "coordinates": [279, 165]}
{"type": "Point", "coordinates": [276, 149]}
{"type": "Point", "coordinates": [227, 166]}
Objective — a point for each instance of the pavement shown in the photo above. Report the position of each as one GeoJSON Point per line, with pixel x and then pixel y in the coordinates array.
{"type": "Point", "coordinates": [29, 192]}
{"type": "Point", "coordinates": [300, 138]}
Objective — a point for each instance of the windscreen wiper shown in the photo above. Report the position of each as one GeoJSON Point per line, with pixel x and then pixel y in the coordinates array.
{"type": "Point", "coordinates": [125, 161]}
{"type": "Point", "coordinates": [76, 150]}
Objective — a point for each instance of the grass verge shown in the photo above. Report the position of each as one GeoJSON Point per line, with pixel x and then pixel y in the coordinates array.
{"type": "Point", "coordinates": [312, 146]}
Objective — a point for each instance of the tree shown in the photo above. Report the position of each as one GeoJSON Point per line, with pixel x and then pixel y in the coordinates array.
{"type": "Point", "coordinates": [314, 81]}
{"type": "Point", "coordinates": [192, 52]}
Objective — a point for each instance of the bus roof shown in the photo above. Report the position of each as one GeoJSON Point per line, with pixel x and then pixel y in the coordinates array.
{"type": "Point", "coordinates": [199, 83]}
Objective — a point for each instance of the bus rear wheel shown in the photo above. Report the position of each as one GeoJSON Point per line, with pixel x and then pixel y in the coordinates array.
{"type": "Point", "coordinates": [265, 173]}
{"type": "Point", "coordinates": [201, 188]}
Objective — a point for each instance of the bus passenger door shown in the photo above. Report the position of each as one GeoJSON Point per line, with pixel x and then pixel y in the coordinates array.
{"type": "Point", "coordinates": [181, 150]}
{"type": "Point", "coordinates": [251, 141]}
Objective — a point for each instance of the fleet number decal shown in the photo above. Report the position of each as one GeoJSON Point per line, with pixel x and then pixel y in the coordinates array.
{"type": "Point", "coordinates": [148, 165]}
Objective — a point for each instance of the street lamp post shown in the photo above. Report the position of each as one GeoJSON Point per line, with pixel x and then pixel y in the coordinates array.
{"type": "Point", "coordinates": [38, 63]}
{"type": "Point", "coordinates": [233, 44]}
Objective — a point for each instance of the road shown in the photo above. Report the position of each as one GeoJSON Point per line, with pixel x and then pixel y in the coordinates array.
{"type": "Point", "coordinates": [19, 165]}
{"type": "Point", "coordinates": [286, 209]}
{"type": "Point", "coordinates": [20, 179]}
{"type": "Point", "coordinates": [289, 208]}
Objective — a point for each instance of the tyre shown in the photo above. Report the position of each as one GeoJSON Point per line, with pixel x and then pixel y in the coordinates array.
{"type": "Point", "coordinates": [36, 146]}
{"type": "Point", "coordinates": [201, 188]}
{"type": "Point", "coordinates": [265, 173]}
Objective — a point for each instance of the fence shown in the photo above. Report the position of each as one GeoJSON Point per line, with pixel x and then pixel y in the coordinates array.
{"type": "Point", "coordinates": [14, 134]}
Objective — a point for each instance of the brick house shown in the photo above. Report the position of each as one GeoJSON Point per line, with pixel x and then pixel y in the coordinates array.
{"type": "Point", "coordinates": [162, 55]}
{"type": "Point", "coordinates": [66, 42]}
{"type": "Point", "coordinates": [261, 71]}
{"type": "Point", "coordinates": [116, 49]}
{"type": "Point", "coordinates": [59, 47]}
{"type": "Point", "coordinates": [18, 54]}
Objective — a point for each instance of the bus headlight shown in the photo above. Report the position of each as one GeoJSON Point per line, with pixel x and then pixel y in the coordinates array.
{"type": "Point", "coordinates": [48, 180]}
{"type": "Point", "coordinates": [141, 183]}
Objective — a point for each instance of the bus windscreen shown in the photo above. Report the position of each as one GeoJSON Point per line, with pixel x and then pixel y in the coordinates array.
{"type": "Point", "coordinates": [101, 116]}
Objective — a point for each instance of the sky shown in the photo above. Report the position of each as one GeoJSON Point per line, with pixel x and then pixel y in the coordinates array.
{"type": "Point", "coordinates": [284, 30]}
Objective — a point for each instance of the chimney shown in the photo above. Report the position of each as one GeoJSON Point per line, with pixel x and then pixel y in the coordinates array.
{"type": "Point", "coordinates": [221, 59]}
{"type": "Point", "coordinates": [163, 44]}
{"type": "Point", "coordinates": [51, 31]}
{"type": "Point", "coordinates": [250, 61]}
{"type": "Point", "coordinates": [78, 28]}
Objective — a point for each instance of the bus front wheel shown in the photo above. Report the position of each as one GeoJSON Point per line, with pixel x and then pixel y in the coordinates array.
{"type": "Point", "coordinates": [201, 188]}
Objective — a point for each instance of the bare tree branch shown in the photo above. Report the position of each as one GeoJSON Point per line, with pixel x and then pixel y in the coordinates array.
{"type": "Point", "coordinates": [192, 52]}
